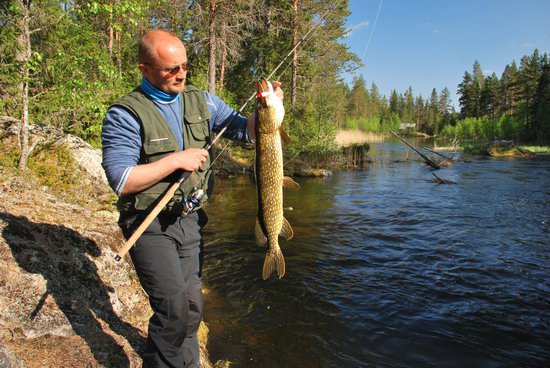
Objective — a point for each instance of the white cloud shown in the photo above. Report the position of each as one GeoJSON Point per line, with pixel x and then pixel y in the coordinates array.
{"type": "Point", "coordinates": [356, 27]}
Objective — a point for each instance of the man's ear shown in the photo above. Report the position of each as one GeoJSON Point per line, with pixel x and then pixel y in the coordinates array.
{"type": "Point", "coordinates": [143, 69]}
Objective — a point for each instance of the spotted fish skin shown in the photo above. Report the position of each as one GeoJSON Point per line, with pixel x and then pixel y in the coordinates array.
{"type": "Point", "coordinates": [270, 223]}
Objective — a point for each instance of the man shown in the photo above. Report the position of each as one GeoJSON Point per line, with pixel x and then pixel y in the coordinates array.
{"type": "Point", "coordinates": [150, 136]}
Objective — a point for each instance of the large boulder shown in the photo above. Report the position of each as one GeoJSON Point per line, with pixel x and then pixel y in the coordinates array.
{"type": "Point", "coordinates": [503, 149]}
{"type": "Point", "coordinates": [87, 157]}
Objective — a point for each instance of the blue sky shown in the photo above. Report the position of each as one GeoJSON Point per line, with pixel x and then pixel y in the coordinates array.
{"type": "Point", "coordinates": [430, 44]}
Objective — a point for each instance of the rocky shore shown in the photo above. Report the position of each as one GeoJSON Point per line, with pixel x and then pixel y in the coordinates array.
{"type": "Point", "coordinates": [64, 300]}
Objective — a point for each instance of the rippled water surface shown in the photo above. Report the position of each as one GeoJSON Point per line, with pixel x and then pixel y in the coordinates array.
{"type": "Point", "coordinates": [387, 269]}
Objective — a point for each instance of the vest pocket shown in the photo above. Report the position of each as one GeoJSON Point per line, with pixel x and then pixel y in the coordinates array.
{"type": "Point", "coordinates": [157, 149]}
{"type": "Point", "coordinates": [199, 129]}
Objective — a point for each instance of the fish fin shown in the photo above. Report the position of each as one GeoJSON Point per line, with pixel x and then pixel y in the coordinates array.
{"type": "Point", "coordinates": [284, 135]}
{"type": "Point", "coordinates": [272, 262]}
{"type": "Point", "coordinates": [289, 183]}
{"type": "Point", "coordinates": [286, 230]}
{"type": "Point", "coordinates": [261, 239]}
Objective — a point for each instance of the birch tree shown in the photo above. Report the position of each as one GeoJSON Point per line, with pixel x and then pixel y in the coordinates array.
{"type": "Point", "coordinates": [23, 57]}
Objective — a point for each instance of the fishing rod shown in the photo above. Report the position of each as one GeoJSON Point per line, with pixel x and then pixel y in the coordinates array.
{"type": "Point", "coordinates": [194, 199]}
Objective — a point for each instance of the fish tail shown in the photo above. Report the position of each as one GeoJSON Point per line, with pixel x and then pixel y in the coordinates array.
{"type": "Point", "coordinates": [274, 261]}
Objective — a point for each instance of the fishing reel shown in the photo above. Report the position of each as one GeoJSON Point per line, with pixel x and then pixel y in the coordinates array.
{"type": "Point", "coordinates": [194, 201]}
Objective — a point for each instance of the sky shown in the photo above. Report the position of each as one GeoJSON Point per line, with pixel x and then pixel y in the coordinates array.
{"type": "Point", "coordinates": [428, 44]}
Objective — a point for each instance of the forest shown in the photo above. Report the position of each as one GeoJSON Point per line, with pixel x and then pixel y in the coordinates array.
{"type": "Point", "coordinates": [515, 106]}
{"type": "Point", "coordinates": [62, 63]}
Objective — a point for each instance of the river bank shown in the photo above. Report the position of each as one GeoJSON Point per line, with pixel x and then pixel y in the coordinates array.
{"type": "Point", "coordinates": [346, 137]}
{"type": "Point", "coordinates": [75, 306]}
{"type": "Point", "coordinates": [350, 151]}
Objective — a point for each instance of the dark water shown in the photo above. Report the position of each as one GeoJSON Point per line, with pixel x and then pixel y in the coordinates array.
{"type": "Point", "coordinates": [389, 270]}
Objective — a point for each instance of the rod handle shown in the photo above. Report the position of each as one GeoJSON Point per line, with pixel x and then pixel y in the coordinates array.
{"type": "Point", "coordinates": [151, 216]}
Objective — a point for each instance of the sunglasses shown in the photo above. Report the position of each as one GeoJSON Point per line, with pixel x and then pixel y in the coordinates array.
{"type": "Point", "coordinates": [173, 70]}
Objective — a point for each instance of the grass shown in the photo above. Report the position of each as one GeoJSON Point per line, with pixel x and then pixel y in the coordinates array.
{"type": "Point", "coordinates": [348, 137]}
{"type": "Point", "coordinates": [474, 148]}
{"type": "Point", "coordinates": [535, 149]}
{"type": "Point", "coordinates": [480, 148]}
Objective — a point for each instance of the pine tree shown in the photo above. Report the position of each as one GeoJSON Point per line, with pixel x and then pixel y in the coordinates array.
{"type": "Point", "coordinates": [444, 107]}
{"type": "Point", "coordinates": [374, 101]}
{"type": "Point", "coordinates": [433, 113]}
{"type": "Point", "coordinates": [509, 90]}
{"type": "Point", "coordinates": [408, 108]}
{"type": "Point", "coordinates": [529, 75]}
{"type": "Point", "coordinates": [394, 102]}
{"type": "Point", "coordinates": [477, 87]}
{"type": "Point", "coordinates": [467, 97]}
{"type": "Point", "coordinates": [444, 101]}
{"type": "Point", "coordinates": [542, 106]}
{"type": "Point", "coordinates": [358, 99]}
{"type": "Point", "coordinates": [490, 96]}
{"type": "Point", "coordinates": [420, 113]}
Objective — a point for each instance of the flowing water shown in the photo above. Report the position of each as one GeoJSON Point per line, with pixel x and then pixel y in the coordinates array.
{"type": "Point", "coordinates": [387, 269]}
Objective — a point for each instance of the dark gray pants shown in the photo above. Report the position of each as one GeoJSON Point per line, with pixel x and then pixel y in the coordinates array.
{"type": "Point", "coordinates": [168, 262]}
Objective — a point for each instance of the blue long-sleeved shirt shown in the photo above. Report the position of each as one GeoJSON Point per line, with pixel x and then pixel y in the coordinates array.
{"type": "Point", "coordinates": [121, 134]}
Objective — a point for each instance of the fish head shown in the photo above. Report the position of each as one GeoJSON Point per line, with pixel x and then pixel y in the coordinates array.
{"type": "Point", "coordinates": [271, 110]}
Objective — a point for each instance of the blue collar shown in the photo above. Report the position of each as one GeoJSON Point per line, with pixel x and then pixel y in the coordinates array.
{"type": "Point", "coordinates": [156, 94]}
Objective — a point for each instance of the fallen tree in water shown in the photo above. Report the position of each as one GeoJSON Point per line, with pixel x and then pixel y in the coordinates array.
{"type": "Point", "coordinates": [447, 161]}
{"type": "Point", "coordinates": [439, 180]}
{"type": "Point", "coordinates": [427, 160]}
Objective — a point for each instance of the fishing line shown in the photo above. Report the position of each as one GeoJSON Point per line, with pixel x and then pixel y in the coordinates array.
{"type": "Point", "coordinates": [342, 98]}
{"type": "Point", "coordinates": [304, 38]}
{"type": "Point", "coordinates": [372, 31]}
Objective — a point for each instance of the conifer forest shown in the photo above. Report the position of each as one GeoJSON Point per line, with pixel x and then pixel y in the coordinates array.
{"type": "Point", "coordinates": [62, 63]}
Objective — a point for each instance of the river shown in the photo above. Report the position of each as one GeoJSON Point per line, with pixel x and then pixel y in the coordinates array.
{"type": "Point", "coordinates": [387, 269]}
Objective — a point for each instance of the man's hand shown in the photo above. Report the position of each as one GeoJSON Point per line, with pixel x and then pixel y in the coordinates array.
{"type": "Point", "coordinates": [251, 122]}
{"type": "Point", "coordinates": [145, 175]}
{"type": "Point", "coordinates": [277, 89]}
{"type": "Point", "coordinates": [190, 159]}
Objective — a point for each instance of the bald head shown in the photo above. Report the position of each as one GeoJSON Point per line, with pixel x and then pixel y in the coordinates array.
{"type": "Point", "coordinates": [153, 42]}
{"type": "Point", "coordinates": [163, 61]}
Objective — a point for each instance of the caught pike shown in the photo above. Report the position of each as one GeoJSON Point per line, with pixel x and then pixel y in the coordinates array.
{"type": "Point", "coordinates": [270, 223]}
